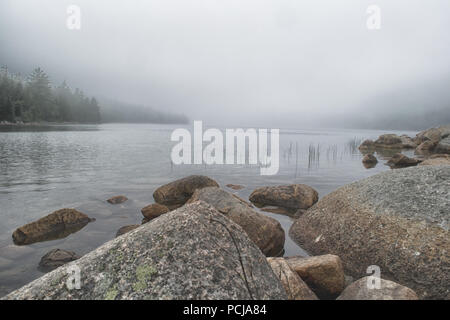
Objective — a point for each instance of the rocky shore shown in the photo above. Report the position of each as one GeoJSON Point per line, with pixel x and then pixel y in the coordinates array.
{"type": "Point", "coordinates": [199, 241]}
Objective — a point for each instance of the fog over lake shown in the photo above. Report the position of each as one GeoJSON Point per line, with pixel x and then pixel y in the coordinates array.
{"type": "Point", "coordinates": [275, 63]}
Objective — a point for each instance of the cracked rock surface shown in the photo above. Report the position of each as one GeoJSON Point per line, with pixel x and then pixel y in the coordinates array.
{"type": "Point", "coordinates": [193, 252]}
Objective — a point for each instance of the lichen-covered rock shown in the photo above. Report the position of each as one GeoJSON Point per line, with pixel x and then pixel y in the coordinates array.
{"type": "Point", "coordinates": [295, 196]}
{"type": "Point", "coordinates": [56, 225]}
{"type": "Point", "coordinates": [396, 219]}
{"type": "Point", "coordinates": [153, 211]}
{"type": "Point", "coordinates": [126, 229]}
{"type": "Point", "coordinates": [264, 231]}
{"type": "Point", "coordinates": [117, 199]}
{"type": "Point", "coordinates": [295, 287]}
{"type": "Point", "coordinates": [174, 194]}
{"type": "Point", "coordinates": [388, 290]}
{"type": "Point", "coordinates": [190, 253]}
{"type": "Point", "coordinates": [56, 258]}
{"type": "Point", "coordinates": [399, 160]}
{"type": "Point", "coordinates": [323, 274]}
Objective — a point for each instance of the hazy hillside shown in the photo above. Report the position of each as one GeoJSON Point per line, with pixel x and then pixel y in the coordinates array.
{"type": "Point", "coordinates": [115, 111]}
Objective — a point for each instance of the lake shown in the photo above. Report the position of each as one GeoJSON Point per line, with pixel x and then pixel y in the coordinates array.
{"type": "Point", "coordinates": [43, 169]}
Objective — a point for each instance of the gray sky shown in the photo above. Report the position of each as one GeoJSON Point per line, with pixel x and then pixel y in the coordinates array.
{"type": "Point", "coordinates": [247, 62]}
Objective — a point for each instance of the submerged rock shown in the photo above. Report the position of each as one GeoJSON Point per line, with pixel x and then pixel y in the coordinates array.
{"type": "Point", "coordinates": [56, 225]}
{"type": "Point", "coordinates": [396, 219]}
{"type": "Point", "coordinates": [126, 229]}
{"type": "Point", "coordinates": [389, 290]}
{"type": "Point", "coordinates": [117, 199]}
{"type": "Point", "coordinates": [264, 231]}
{"type": "Point", "coordinates": [176, 193]}
{"type": "Point", "coordinates": [295, 287]}
{"type": "Point", "coordinates": [399, 160]}
{"type": "Point", "coordinates": [323, 274]}
{"type": "Point", "coordinates": [190, 253]}
{"type": "Point", "coordinates": [295, 196]}
{"type": "Point", "coordinates": [153, 211]}
{"type": "Point", "coordinates": [235, 186]}
{"type": "Point", "coordinates": [56, 258]}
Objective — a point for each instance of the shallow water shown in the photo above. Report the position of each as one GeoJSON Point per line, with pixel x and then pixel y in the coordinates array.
{"type": "Point", "coordinates": [80, 166]}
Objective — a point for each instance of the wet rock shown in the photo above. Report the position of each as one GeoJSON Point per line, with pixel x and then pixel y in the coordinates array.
{"type": "Point", "coordinates": [369, 161]}
{"type": "Point", "coordinates": [56, 258]}
{"type": "Point", "coordinates": [367, 146]}
{"type": "Point", "coordinates": [389, 290]}
{"type": "Point", "coordinates": [407, 142]}
{"type": "Point", "coordinates": [117, 199]}
{"type": "Point", "coordinates": [153, 211]}
{"type": "Point", "coordinates": [126, 229]}
{"type": "Point", "coordinates": [425, 147]}
{"type": "Point", "coordinates": [399, 160]}
{"type": "Point", "coordinates": [174, 194]}
{"type": "Point", "coordinates": [190, 253]}
{"type": "Point", "coordinates": [56, 225]}
{"type": "Point", "coordinates": [389, 141]}
{"type": "Point", "coordinates": [264, 231]}
{"type": "Point", "coordinates": [443, 146]}
{"type": "Point", "coordinates": [436, 160]}
{"type": "Point", "coordinates": [235, 186]}
{"type": "Point", "coordinates": [396, 219]}
{"type": "Point", "coordinates": [295, 287]}
{"type": "Point", "coordinates": [323, 274]}
{"type": "Point", "coordinates": [295, 196]}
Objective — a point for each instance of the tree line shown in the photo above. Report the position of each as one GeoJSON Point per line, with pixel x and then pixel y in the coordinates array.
{"type": "Point", "coordinates": [34, 99]}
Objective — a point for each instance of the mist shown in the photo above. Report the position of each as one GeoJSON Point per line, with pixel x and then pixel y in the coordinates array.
{"type": "Point", "coordinates": [278, 63]}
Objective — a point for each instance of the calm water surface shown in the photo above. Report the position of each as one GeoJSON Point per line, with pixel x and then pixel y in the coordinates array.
{"type": "Point", "coordinates": [80, 166]}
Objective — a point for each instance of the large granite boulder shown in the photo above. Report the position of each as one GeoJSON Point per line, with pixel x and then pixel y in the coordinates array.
{"type": "Point", "coordinates": [190, 253]}
{"type": "Point", "coordinates": [174, 194]}
{"type": "Point", "coordinates": [426, 147]}
{"type": "Point", "coordinates": [396, 219]}
{"type": "Point", "coordinates": [391, 141]}
{"type": "Point", "coordinates": [323, 274]}
{"type": "Point", "coordinates": [294, 196]}
{"type": "Point", "coordinates": [295, 287]}
{"type": "Point", "coordinates": [432, 134]}
{"type": "Point", "coordinates": [388, 290]}
{"type": "Point", "coordinates": [436, 160]}
{"type": "Point", "coordinates": [443, 146]}
{"type": "Point", "coordinates": [264, 231]}
{"type": "Point", "coordinates": [56, 225]}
